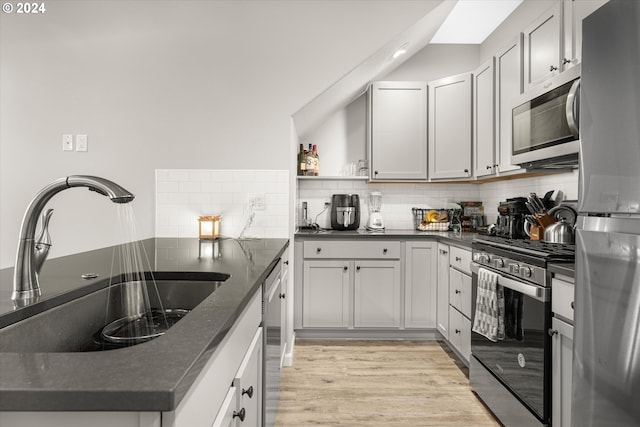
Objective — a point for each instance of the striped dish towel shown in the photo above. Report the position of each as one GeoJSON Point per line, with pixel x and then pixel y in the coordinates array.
{"type": "Point", "coordinates": [489, 315]}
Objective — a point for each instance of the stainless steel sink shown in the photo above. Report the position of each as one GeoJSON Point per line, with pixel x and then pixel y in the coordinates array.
{"type": "Point", "coordinates": [74, 326]}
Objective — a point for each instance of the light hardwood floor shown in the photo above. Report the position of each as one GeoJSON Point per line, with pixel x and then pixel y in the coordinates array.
{"type": "Point", "coordinates": [377, 383]}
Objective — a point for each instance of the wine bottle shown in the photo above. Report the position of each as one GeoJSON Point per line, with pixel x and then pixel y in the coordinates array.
{"type": "Point", "coordinates": [302, 161]}
{"type": "Point", "coordinates": [316, 161]}
{"type": "Point", "coordinates": [309, 161]}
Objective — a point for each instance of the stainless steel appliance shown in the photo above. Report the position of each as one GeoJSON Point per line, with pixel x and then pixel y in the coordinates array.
{"type": "Point", "coordinates": [272, 320]}
{"type": "Point", "coordinates": [512, 375]}
{"type": "Point", "coordinates": [546, 123]}
{"type": "Point", "coordinates": [345, 211]}
{"type": "Point", "coordinates": [511, 214]}
{"type": "Point", "coordinates": [606, 358]}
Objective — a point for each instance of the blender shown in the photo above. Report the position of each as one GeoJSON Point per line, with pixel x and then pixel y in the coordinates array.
{"type": "Point", "coordinates": [375, 221]}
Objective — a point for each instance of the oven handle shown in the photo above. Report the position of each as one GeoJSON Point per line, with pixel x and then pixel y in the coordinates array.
{"type": "Point", "coordinates": [533, 291]}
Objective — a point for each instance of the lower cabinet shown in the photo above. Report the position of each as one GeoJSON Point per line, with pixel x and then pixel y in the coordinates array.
{"type": "Point", "coordinates": [562, 290]}
{"type": "Point", "coordinates": [376, 294]}
{"type": "Point", "coordinates": [366, 284]}
{"type": "Point", "coordinates": [442, 311]}
{"type": "Point", "coordinates": [459, 310]}
{"type": "Point", "coordinates": [325, 294]}
{"type": "Point", "coordinates": [561, 367]}
{"type": "Point", "coordinates": [217, 393]}
{"type": "Point", "coordinates": [243, 403]}
{"type": "Point", "coordinates": [420, 289]}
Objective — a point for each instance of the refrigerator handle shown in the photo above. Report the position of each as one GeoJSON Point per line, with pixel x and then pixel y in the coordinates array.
{"type": "Point", "coordinates": [571, 109]}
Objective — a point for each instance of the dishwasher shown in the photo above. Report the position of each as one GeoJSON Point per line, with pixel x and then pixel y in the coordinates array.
{"type": "Point", "coordinates": [271, 318]}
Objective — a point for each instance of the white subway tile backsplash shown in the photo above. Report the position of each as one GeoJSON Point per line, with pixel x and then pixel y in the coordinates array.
{"type": "Point", "coordinates": [183, 195]}
{"type": "Point", "coordinates": [398, 199]}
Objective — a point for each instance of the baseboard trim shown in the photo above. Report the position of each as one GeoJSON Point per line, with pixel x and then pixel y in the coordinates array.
{"type": "Point", "coordinates": [421, 335]}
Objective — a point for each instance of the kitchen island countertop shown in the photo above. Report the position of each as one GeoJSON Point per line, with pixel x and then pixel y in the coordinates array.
{"type": "Point", "coordinates": [152, 376]}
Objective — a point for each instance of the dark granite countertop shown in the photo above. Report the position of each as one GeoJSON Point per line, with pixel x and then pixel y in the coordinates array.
{"type": "Point", "coordinates": [458, 239]}
{"type": "Point", "coordinates": [153, 376]}
{"type": "Point", "coordinates": [566, 269]}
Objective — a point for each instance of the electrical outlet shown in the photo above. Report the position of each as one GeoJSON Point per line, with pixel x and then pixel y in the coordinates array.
{"type": "Point", "coordinates": [67, 142]}
{"type": "Point", "coordinates": [257, 201]}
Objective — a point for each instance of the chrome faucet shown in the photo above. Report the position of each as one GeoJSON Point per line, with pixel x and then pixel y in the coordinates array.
{"type": "Point", "coordinates": [32, 251]}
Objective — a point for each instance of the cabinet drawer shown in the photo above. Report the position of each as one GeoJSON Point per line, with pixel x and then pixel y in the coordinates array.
{"type": "Point", "coordinates": [316, 249]}
{"type": "Point", "coordinates": [460, 333]}
{"type": "Point", "coordinates": [562, 298]}
{"type": "Point", "coordinates": [460, 291]}
{"type": "Point", "coordinates": [460, 259]}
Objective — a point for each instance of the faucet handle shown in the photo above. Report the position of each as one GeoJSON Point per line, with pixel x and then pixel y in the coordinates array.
{"type": "Point", "coordinates": [43, 237]}
{"type": "Point", "coordinates": [42, 243]}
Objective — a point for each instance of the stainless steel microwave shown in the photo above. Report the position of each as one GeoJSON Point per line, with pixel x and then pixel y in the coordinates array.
{"type": "Point", "coordinates": [546, 123]}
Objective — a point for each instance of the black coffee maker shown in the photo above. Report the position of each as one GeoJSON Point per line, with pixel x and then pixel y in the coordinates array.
{"type": "Point", "coordinates": [345, 211]}
{"type": "Point", "coordinates": [511, 213]}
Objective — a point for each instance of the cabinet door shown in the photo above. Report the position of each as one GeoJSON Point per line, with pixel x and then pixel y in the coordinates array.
{"type": "Point", "coordinates": [574, 13]}
{"type": "Point", "coordinates": [561, 367]}
{"type": "Point", "coordinates": [227, 414]}
{"type": "Point", "coordinates": [325, 294]}
{"type": "Point", "coordinates": [450, 127]}
{"type": "Point", "coordinates": [542, 40]}
{"type": "Point", "coordinates": [442, 322]}
{"type": "Point", "coordinates": [376, 294]}
{"type": "Point", "coordinates": [420, 292]}
{"type": "Point", "coordinates": [508, 86]}
{"type": "Point", "coordinates": [483, 120]}
{"type": "Point", "coordinates": [248, 382]}
{"type": "Point", "coordinates": [398, 131]}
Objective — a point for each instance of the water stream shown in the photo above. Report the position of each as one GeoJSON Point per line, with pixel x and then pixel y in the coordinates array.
{"type": "Point", "coordinates": [138, 321]}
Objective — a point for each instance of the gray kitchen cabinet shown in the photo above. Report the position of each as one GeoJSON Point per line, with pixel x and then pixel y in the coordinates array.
{"type": "Point", "coordinates": [562, 289]}
{"type": "Point", "coordinates": [421, 275]}
{"type": "Point", "coordinates": [460, 301]}
{"type": "Point", "coordinates": [442, 315]}
{"type": "Point", "coordinates": [213, 398]}
{"type": "Point", "coordinates": [248, 382]}
{"type": "Point", "coordinates": [574, 13]}
{"type": "Point", "coordinates": [325, 294]}
{"type": "Point", "coordinates": [542, 47]}
{"type": "Point", "coordinates": [483, 120]}
{"type": "Point", "coordinates": [561, 368]}
{"type": "Point", "coordinates": [509, 75]}
{"type": "Point", "coordinates": [450, 127]}
{"type": "Point", "coordinates": [397, 131]}
{"type": "Point", "coordinates": [376, 294]}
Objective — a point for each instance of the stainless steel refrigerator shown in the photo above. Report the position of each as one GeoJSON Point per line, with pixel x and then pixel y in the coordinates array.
{"type": "Point", "coordinates": [606, 355]}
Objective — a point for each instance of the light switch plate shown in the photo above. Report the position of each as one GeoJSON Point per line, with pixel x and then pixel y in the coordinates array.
{"type": "Point", "coordinates": [82, 143]}
{"type": "Point", "coordinates": [67, 142]}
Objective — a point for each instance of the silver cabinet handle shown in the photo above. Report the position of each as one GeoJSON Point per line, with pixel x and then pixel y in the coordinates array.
{"type": "Point", "coordinates": [553, 68]}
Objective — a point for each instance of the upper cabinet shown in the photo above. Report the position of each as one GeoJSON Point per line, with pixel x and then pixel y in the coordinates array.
{"type": "Point", "coordinates": [574, 13]}
{"type": "Point", "coordinates": [397, 131]}
{"type": "Point", "coordinates": [542, 41]}
{"type": "Point", "coordinates": [508, 86]}
{"type": "Point", "coordinates": [450, 127]}
{"type": "Point", "coordinates": [483, 120]}
{"type": "Point", "coordinates": [553, 42]}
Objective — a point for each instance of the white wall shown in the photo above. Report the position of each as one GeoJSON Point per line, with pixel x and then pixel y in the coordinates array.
{"type": "Point", "coordinates": [163, 85]}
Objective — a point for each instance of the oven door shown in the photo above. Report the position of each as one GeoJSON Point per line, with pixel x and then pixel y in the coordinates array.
{"type": "Point", "coordinates": [520, 361]}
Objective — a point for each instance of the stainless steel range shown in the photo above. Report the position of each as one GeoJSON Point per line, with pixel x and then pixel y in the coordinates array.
{"type": "Point", "coordinates": [511, 374]}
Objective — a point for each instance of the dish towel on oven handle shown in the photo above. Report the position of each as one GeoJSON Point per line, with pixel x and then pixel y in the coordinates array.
{"type": "Point", "coordinates": [489, 316]}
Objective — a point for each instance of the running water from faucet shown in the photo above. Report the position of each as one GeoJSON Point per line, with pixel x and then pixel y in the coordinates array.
{"type": "Point", "coordinates": [140, 321]}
